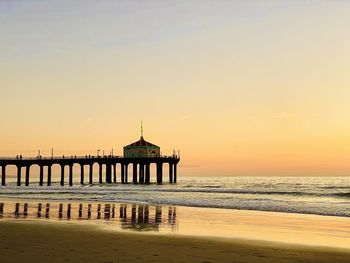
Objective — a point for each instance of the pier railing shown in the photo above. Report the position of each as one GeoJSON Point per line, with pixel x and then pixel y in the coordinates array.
{"type": "Point", "coordinates": [79, 157]}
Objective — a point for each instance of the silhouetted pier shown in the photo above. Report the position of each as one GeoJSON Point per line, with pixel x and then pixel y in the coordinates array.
{"type": "Point", "coordinates": [141, 172]}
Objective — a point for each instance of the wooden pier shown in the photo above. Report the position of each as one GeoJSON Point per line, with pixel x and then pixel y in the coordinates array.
{"type": "Point", "coordinates": [140, 172]}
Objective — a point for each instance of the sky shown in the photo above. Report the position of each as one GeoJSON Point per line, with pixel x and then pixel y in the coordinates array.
{"type": "Point", "coordinates": [243, 88]}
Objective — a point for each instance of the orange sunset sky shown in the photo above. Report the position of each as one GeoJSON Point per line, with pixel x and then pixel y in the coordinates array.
{"type": "Point", "coordinates": [239, 87]}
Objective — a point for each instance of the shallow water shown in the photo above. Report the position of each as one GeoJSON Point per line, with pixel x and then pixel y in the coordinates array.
{"type": "Point", "coordinates": [309, 195]}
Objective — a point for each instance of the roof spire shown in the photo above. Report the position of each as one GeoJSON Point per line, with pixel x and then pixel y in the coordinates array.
{"type": "Point", "coordinates": [141, 129]}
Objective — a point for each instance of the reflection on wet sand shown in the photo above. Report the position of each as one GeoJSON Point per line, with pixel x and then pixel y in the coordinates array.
{"type": "Point", "coordinates": [131, 216]}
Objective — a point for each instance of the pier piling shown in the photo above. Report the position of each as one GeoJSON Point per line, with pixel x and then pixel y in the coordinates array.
{"type": "Point", "coordinates": [148, 174]}
{"type": "Point", "coordinates": [81, 174]}
{"type": "Point", "coordinates": [134, 173]}
{"type": "Point", "coordinates": [90, 173]}
{"type": "Point", "coordinates": [170, 173]}
{"type": "Point", "coordinates": [3, 175]}
{"type": "Point", "coordinates": [114, 173]}
{"type": "Point", "coordinates": [141, 174]}
{"type": "Point", "coordinates": [159, 173]}
{"type": "Point", "coordinates": [71, 175]}
{"type": "Point", "coordinates": [49, 175]}
{"type": "Point", "coordinates": [41, 176]}
{"type": "Point", "coordinates": [122, 173]}
{"type": "Point", "coordinates": [62, 175]}
{"type": "Point", "coordinates": [27, 176]}
{"type": "Point", "coordinates": [19, 170]}
{"type": "Point", "coordinates": [175, 173]}
{"type": "Point", "coordinates": [108, 174]}
{"type": "Point", "coordinates": [100, 174]}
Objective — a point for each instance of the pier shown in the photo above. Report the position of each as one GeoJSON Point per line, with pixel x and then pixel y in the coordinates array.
{"type": "Point", "coordinates": [140, 169]}
{"type": "Point", "coordinates": [140, 155]}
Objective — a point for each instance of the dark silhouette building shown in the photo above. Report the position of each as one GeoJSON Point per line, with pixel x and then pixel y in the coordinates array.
{"type": "Point", "coordinates": [141, 149]}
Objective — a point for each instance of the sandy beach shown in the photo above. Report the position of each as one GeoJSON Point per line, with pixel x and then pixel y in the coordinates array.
{"type": "Point", "coordinates": [27, 241]}
{"type": "Point", "coordinates": [54, 231]}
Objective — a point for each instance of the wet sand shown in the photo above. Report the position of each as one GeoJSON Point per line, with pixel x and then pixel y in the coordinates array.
{"type": "Point", "coordinates": [300, 229]}
{"type": "Point", "coordinates": [46, 241]}
{"type": "Point", "coordinates": [61, 231]}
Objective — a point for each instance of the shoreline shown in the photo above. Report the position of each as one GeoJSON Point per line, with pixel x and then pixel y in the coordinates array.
{"type": "Point", "coordinates": [43, 242]}
{"type": "Point", "coordinates": [313, 196]}
{"type": "Point", "coordinates": [299, 229]}
{"type": "Point", "coordinates": [85, 201]}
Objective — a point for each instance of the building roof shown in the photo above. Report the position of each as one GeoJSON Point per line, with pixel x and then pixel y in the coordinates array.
{"type": "Point", "coordinates": [141, 143]}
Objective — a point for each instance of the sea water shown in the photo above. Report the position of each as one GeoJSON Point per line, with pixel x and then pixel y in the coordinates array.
{"type": "Point", "coordinates": [308, 195]}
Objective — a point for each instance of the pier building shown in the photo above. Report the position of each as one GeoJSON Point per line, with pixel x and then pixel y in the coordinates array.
{"type": "Point", "coordinates": [141, 149]}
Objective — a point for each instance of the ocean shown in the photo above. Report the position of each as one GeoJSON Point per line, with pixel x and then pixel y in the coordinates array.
{"type": "Point", "coordinates": [306, 195]}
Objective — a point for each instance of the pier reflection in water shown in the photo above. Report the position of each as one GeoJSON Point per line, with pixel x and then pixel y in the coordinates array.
{"type": "Point", "coordinates": [122, 216]}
